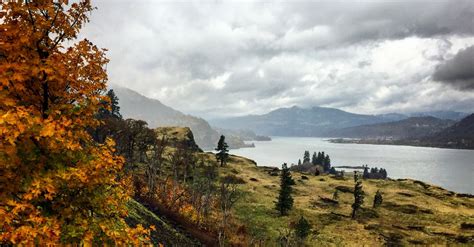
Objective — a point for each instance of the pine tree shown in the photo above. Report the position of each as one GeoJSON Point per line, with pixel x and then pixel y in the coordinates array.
{"type": "Point", "coordinates": [114, 105]}
{"type": "Point", "coordinates": [302, 228]}
{"type": "Point", "coordinates": [285, 200]}
{"type": "Point", "coordinates": [378, 199]}
{"type": "Point", "coordinates": [358, 196]}
{"type": "Point", "coordinates": [327, 163]}
{"type": "Point", "coordinates": [222, 151]}
{"type": "Point", "coordinates": [366, 173]}
{"type": "Point", "coordinates": [319, 159]}
{"type": "Point", "coordinates": [314, 159]}
{"type": "Point", "coordinates": [306, 157]}
{"type": "Point", "coordinates": [299, 161]}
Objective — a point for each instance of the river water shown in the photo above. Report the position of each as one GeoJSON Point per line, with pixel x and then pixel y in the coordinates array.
{"type": "Point", "coordinates": [451, 169]}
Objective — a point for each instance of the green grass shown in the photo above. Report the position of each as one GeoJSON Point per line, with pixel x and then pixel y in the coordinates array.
{"type": "Point", "coordinates": [410, 213]}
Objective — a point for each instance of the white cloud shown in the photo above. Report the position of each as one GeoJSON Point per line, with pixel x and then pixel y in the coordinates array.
{"type": "Point", "coordinates": [217, 58]}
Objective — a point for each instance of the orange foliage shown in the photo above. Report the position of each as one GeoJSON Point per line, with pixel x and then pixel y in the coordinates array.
{"type": "Point", "coordinates": [56, 184]}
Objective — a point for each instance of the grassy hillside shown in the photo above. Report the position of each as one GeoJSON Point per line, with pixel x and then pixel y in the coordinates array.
{"type": "Point", "coordinates": [412, 212]}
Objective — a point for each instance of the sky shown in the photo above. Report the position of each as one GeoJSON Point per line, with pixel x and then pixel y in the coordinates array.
{"type": "Point", "coordinates": [227, 58]}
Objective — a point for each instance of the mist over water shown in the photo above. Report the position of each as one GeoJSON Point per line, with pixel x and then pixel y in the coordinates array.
{"type": "Point", "coordinates": [451, 169]}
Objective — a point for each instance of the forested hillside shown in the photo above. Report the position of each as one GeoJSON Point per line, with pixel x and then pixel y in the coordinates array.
{"type": "Point", "coordinates": [414, 127]}
{"type": "Point", "coordinates": [136, 106]}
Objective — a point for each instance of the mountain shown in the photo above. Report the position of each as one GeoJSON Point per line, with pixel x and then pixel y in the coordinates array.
{"type": "Point", "coordinates": [156, 114]}
{"type": "Point", "coordinates": [452, 115]}
{"type": "Point", "coordinates": [296, 121]}
{"type": "Point", "coordinates": [414, 127]}
{"type": "Point", "coordinates": [459, 135]}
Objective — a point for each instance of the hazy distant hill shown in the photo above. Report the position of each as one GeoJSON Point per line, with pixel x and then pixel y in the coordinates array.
{"type": "Point", "coordinates": [459, 135]}
{"type": "Point", "coordinates": [296, 121]}
{"type": "Point", "coordinates": [156, 114]}
{"type": "Point", "coordinates": [452, 115]}
{"type": "Point", "coordinates": [316, 121]}
{"type": "Point", "coordinates": [414, 127]}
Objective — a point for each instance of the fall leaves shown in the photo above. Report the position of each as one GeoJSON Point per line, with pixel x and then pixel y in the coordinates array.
{"type": "Point", "coordinates": [56, 184]}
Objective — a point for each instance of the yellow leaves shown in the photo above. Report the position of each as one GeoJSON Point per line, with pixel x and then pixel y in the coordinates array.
{"type": "Point", "coordinates": [47, 130]}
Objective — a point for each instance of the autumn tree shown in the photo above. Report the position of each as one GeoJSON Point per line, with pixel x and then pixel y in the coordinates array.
{"type": "Point", "coordinates": [222, 151]}
{"type": "Point", "coordinates": [228, 196]}
{"type": "Point", "coordinates": [57, 186]}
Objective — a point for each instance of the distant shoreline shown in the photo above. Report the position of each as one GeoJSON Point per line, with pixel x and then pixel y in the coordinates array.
{"type": "Point", "coordinates": [414, 143]}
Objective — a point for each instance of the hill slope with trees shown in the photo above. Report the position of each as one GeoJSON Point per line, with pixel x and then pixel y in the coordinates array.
{"type": "Point", "coordinates": [414, 127]}
{"type": "Point", "coordinates": [156, 114]}
{"type": "Point", "coordinates": [459, 135]}
{"type": "Point", "coordinates": [411, 212]}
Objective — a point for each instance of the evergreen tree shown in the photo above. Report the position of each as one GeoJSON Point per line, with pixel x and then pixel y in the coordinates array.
{"type": "Point", "coordinates": [114, 105]}
{"type": "Point", "coordinates": [306, 157]}
{"type": "Point", "coordinates": [319, 159]}
{"type": "Point", "coordinates": [366, 173]}
{"type": "Point", "coordinates": [383, 173]}
{"type": "Point", "coordinates": [358, 196]}
{"type": "Point", "coordinates": [314, 159]}
{"type": "Point", "coordinates": [327, 163]}
{"type": "Point", "coordinates": [378, 199]}
{"type": "Point", "coordinates": [299, 161]}
{"type": "Point", "coordinates": [302, 228]}
{"type": "Point", "coordinates": [222, 151]}
{"type": "Point", "coordinates": [285, 200]}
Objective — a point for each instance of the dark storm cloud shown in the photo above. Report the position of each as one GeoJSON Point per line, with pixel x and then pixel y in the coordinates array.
{"type": "Point", "coordinates": [354, 22]}
{"type": "Point", "coordinates": [256, 56]}
{"type": "Point", "coordinates": [458, 71]}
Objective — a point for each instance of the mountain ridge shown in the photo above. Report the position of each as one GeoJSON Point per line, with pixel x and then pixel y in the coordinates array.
{"type": "Point", "coordinates": [156, 114]}
{"type": "Point", "coordinates": [315, 121]}
{"type": "Point", "coordinates": [412, 127]}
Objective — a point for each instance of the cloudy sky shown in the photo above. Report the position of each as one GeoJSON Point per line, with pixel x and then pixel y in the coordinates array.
{"type": "Point", "coordinates": [218, 58]}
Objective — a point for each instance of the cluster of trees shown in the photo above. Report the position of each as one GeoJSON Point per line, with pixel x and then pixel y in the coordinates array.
{"type": "Point", "coordinates": [171, 178]}
{"type": "Point", "coordinates": [319, 158]}
{"type": "Point", "coordinates": [374, 173]}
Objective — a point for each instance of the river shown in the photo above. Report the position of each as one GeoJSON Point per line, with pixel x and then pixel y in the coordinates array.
{"type": "Point", "coordinates": [451, 169]}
